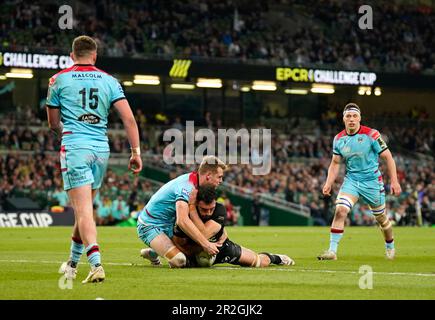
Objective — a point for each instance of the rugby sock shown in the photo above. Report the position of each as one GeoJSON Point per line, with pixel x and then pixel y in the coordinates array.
{"type": "Point", "coordinates": [77, 249]}
{"type": "Point", "coordinates": [335, 237]}
{"type": "Point", "coordinates": [191, 262]}
{"type": "Point", "coordinates": [153, 255]}
{"type": "Point", "coordinates": [93, 253]}
{"type": "Point", "coordinates": [389, 244]}
{"type": "Point", "coordinates": [274, 259]}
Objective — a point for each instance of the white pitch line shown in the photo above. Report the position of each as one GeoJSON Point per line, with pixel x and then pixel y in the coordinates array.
{"type": "Point", "coordinates": [60, 262]}
{"type": "Point", "coordinates": [241, 268]}
{"type": "Point", "coordinates": [334, 271]}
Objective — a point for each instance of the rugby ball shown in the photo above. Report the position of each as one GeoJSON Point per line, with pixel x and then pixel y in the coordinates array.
{"type": "Point", "coordinates": [205, 260]}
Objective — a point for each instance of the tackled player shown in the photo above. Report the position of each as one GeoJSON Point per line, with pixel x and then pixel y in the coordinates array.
{"type": "Point", "coordinates": [212, 221]}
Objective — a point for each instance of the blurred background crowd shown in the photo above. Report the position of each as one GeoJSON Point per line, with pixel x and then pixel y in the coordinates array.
{"type": "Point", "coordinates": [277, 32]}
{"type": "Point", "coordinates": [29, 166]}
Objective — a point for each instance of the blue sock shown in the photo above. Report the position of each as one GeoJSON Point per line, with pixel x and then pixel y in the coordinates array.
{"type": "Point", "coordinates": [93, 253]}
{"type": "Point", "coordinates": [76, 250]}
{"type": "Point", "coordinates": [335, 237]}
{"type": "Point", "coordinates": [389, 244]}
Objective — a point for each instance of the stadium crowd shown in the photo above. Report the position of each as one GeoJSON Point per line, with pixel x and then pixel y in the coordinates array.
{"type": "Point", "coordinates": [300, 164]}
{"type": "Point", "coordinates": [243, 30]}
{"type": "Point", "coordinates": [414, 135]}
{"type": "Point", "coordinates": [38, 177]}
{"type": "Point", "coordinates": [299, 168]}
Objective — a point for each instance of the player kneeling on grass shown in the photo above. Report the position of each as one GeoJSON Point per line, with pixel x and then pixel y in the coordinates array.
{"type": "Point", "coordinates": [211, 223]}
{"type": "Point", "coordinates": [170, 205]}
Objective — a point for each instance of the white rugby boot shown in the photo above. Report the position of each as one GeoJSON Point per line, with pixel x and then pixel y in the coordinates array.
{"type": "Point", "coordinates": [390, 254]}
{"type": "Point", "coordinates": [327, 255]}
{"type": "Point", "coordinates": [69, 271]}
{"type": "Point", "coordinates": [286, 260]}
{"type": "Point", "coordinates": [95, 275]}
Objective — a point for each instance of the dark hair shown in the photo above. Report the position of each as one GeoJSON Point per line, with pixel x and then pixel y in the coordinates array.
{"type": "Point", "coordinates": [206, 193]}
{"type": "Point", "coordinates": [351, 105]}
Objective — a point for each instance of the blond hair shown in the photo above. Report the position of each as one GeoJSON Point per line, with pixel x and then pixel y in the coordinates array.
{"type": "Point", "coordinates": [83, 46]}
{"type": "Point", "coordinates": [211, 164]}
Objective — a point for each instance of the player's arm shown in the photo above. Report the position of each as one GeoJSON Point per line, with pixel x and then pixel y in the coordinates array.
{"type": "Point", "coordinates": [208, 229]}
{"type": "Point", "coordinates": [333, 170]}
{"type": "Point", "coordinates": [194, 216]}
{"type": "Point", "coordinates": [52, 106]}
{"type": "Point", "coordinates": [211, 228]}
{"type": "Point", "coordinates": [130, 125]}
{"type": "Point", "coordinates": [381, 148]}
{"type": "Point", "coordinates": [392, 173]}
{"type": "Point", "coordinates": [54, 123]}
{"type": "Point", "coordinates": [184, 222]}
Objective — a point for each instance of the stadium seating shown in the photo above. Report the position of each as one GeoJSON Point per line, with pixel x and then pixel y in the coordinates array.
{"type": "Point", "coordinates": [278, 32]}
{"type": "Point", "coordinates": [299, 171]}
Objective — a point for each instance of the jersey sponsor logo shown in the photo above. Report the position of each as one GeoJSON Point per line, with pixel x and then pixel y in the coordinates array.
{"type": "Point", "coordinates": [89, 118]}
{"type": "Point", "coordinates": [346, 149]}
{"type": "Point", "coordinates": [120, 89]}
{"type": "Point", "coordinates": [360, 139]}
{"type": "Point", "coordinates": [382, 143]}
{"type": "Point", "coordinates": [90, 75]}
{"type": "Point", "coordinates": [185, 192]}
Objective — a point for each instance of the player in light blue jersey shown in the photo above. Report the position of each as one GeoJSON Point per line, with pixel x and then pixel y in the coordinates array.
{"type": "Point", "coordinates": [360, 148]}
{"type": "Point", "coordinates": [78, 103]}
{"type": "Point", "coordinates": [170, 206]}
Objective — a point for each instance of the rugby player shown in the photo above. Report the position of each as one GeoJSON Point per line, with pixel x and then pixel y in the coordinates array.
{"type": "Point", "coordinates": [360, 147]}
{"type": "Point", "coordinates": [78, 103]}
{"type": "Point", "coordinates": [213, 216]}
{"type": "Point", "coordinates": [170, 205]}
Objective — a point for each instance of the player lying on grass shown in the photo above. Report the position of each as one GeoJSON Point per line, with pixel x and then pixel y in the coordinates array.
{"type": "Point", "coordinates": [170, 205]}
{"type": "Point", "coordinates": [212, 217]}
{"type": "Point", "coordinates": [360, 147]}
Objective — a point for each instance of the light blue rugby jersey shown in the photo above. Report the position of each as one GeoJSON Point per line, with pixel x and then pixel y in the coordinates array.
{"type": "Point", "coordinates": [84, 95]}
{"type": "Point", "coordinates": [161, 210]}
{"type": "Point", "coordinates": [360, 152]}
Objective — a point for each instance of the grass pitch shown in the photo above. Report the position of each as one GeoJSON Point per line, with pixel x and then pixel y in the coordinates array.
{"type": "Point", "coordinates": [30, 258]}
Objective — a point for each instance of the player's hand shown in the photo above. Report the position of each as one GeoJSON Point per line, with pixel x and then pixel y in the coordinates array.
{"type": "Point", "coordinates": [396, 189]}
{"type": "Point", "coordinates": [135, 164]}
{"type": "Point", "coordinates": [211, 248]}
{"type": "Point", "coordinates": [327, 189]}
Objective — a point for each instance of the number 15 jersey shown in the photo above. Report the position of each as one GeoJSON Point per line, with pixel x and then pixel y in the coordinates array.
{"type": "Point", "coordinates": [84, 95]}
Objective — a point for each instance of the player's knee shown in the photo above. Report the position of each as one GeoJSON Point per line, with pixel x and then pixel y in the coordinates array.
{"type": "Point", "coordinates": [383, 221]}
{"type": "Point", "coordinates": [341, 211]}
{"type": "Point", "coordinates": [178, 261]}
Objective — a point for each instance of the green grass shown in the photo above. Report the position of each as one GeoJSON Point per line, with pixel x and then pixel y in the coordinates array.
{"type": "Point", "coordinates": [410, 276]}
